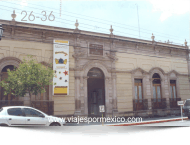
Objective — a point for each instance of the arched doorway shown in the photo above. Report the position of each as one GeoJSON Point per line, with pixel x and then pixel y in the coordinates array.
{"type": "Point", "coordinates": [96, 91]}
{"type": "Point", "coordinates": [4, 75]}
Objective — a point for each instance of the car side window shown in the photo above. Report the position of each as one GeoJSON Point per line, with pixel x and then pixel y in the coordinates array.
{"type": "Point", "coordinates": [15, 111]}
{"type": "Point", "coordinates": [31, 113]}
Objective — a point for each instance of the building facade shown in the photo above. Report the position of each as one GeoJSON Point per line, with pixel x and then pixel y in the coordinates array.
{"type": "Point", "coordinates": [131, 77]}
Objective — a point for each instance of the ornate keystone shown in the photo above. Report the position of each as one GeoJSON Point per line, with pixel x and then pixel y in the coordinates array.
{"type": "Point", "coordinates": [13, 16]}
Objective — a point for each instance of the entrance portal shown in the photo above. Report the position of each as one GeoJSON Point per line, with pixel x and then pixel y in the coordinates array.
{"type": "Point", "coordinates": [96, 92]}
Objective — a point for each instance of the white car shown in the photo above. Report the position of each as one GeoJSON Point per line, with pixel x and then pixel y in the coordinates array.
{"type": "Point", "coordinates": [27, 116]}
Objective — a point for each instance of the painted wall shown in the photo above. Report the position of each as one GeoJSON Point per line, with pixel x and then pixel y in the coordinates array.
{"type": "Point", "coordinates": [124, 92]}
{"type": "Point", "coordinates": [184, 87]}
{"type": "Point", "coordinates": [128, 62]}
{"type": "Point", "coordinates": [44, 52]}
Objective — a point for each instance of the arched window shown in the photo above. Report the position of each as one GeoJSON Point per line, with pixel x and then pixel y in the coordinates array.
{"type": "Point", "coordinates": [156, 87]}
{"type": "Point", "coordinates": [11, 67]}
{"type": "Point", "coordinates": [95, 73]}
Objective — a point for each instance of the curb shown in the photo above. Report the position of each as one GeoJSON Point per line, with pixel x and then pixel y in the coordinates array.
{"type": "Point", "coordinates": [150, 122]}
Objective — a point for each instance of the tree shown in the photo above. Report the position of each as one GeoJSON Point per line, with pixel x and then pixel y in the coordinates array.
{"type": "Point", "coordinates": [30, 77]}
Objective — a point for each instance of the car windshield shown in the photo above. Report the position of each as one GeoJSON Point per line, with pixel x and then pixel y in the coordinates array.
{"type": "Point", "coordinates": [187, 103]}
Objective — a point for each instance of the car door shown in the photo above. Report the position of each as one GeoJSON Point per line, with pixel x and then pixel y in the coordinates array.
{"type": "Point", "coordinates": [15, 117]}
{"type": "Point", "coordinates": [34, 117]}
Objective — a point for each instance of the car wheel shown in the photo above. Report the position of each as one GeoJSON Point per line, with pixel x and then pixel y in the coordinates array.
{"type": "Point", "coordinates": [55, 124]}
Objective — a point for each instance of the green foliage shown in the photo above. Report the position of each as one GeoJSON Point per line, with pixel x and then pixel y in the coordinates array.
{"type": "Point", "coordinates": [31, 77]}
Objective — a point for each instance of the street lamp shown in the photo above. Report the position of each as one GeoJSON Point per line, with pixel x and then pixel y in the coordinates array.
{"type": "Point", "coordinates": [1, 31]}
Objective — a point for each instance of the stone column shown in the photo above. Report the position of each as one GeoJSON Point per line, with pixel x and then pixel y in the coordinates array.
{"type": "Point", "coordinates": [166, 83]}
{"type": "Point", "coordinates": [149, 92]}
{"type": "Point", "coordinates": [85, 96]}
{"type": "Point", "coordinates": [77, 96]}
{"type": "Point", "coordinates": [82, 95]}
{"type": "Point", "coordinates": [108, 100]}
{"type": "Point", "coordinates": [114, 96]}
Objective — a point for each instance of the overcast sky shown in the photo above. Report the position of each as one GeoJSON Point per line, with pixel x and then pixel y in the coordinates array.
{"type": "Point", "coordinates": [166, 19]}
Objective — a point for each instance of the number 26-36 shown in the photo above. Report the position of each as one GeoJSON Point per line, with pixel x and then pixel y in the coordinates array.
{"type": "Point", "coordinates": [31, 17]}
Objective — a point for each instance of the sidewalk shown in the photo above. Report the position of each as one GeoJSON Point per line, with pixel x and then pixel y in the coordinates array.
{"type": "Point", "coordinates": [144, 121]}
{"type": "Point", "coordinates": [149, 122]}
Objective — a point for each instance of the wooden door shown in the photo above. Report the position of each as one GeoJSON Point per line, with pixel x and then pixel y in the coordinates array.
{"type": "Point", "coordinates": [157, 96]}
{"type": "Point", "coordinates": [138, 94]}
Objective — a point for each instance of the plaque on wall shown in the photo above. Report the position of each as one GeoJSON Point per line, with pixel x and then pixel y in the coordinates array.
{"type": "Point", "coordinates": [96, 49]}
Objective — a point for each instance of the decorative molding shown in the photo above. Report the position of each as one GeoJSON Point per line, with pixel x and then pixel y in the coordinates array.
{"type": "Point", "coordinates": [77, 55]}
{"type": "Point", "coordinates": [113, 58]}
{"type": "Point", "coordinates": [87, 33]}
{"type": "Point", "coordinates": [156, 68]}
{"type": "Point", "coordinates": [138, 69]}
{"type": "Point", "coordinates": [118, 71]}
{"type": "Point", "coordinates": [86, 77]}
{"type": "Point", "coordinates": [9, 61]}
{"type": "Point", "coordinates": [10, 58]}
{"type": "Point", "coordinates": [91, 63]}
{"type": "Point", "coordinates": [107, 78]}
{"type": "Point", "coordinates": [173, 71]}
{"type": "Point", "coordinates": [145, 72]}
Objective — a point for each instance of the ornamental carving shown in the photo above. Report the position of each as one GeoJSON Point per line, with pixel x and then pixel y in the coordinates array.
{"type": "Point", "coordinates": [140, 70]}
{"type": "Point", "coordinates": [79, 54]}
{"type": "Point", "coordinates": [86, 77]}
{"type": "Point", "coordinates": [111, 57]}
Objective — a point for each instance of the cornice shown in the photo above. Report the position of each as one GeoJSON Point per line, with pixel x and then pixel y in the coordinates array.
{"type": "Point", "coordinates": [88, 33]}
